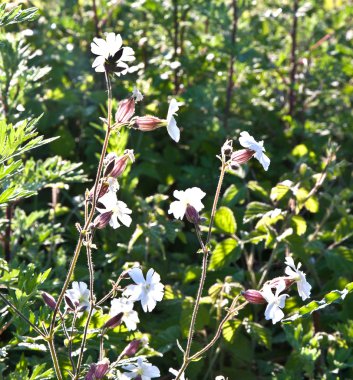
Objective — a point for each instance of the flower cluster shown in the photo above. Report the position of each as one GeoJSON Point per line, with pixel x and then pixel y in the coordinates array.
{"type": "Point", "coordinates": [252, 149]}
{"type": "Point", "coordinates": [276, 301]}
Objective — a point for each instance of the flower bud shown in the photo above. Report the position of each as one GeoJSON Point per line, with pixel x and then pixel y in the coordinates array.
{"type": "Point", "coordinates": [131, 348]}
{"type": "Point", "coordinates": [253, 296]}
{"type": "Point", "coordinates": [241, 156]}
{"type": "Point", "coordinates": [119, 166]}
{"type": "Point", "coordinates": [227, 148]}
{"type": "Point", "coordinates": [148, 123]}
{"type": "Point", "coordinates": [102, 220]}
{"type": "Point", "coordinates": [102, 368]}
{"type": "Point", "coordinates": [114, 321]}
{"type": "Point", "coordinates": [192, 215]}
{"type": "Point", "coordinates": [70, 305]}
{"type": "Point", "coordinates": [125, 110]}
{"type": "Point", "coordinates": [49, 300]}
{"type": "Point", "coordinates": [90, 373]}
{"type": "Point", "coordinates": [102, 189]}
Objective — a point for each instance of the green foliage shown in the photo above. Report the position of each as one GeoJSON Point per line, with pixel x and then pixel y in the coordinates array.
{"type": "Point", "coordinates": [16, 14]}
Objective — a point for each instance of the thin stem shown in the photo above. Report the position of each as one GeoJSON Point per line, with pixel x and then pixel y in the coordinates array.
{"type": "Point", "coordinates": [91, 214]}
{"type": "Point", "coordinates": [219, 330]}
{"type": "Point", "coordinates": [92, 305]}
{"type": "Point", "coordinates": [101, 345]}
{"type": "Point", "coordinates": [114, 289]}
{"type": "Point", "coordinates": [54, 358]}
{"type": "Point", "coordinates": [69, 340]}
{"type": "Point", "coordinates": [14, 308]}
{"type": "Point", "coordinates": [215, 202]}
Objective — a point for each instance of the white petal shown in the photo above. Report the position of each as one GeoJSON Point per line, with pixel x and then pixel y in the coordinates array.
{"type": "Point", "coordinates": [290, 262]}
{"type": "Point", "coordinates": [277, 315]}
{"type": "Point", "coordinates": [134, 292]}
{"type": "Point", "coordinates": [125, 219]}
{"type": "Point", "coordinates": [98, 61]}
{"type": "Point", "coordinates": [113, 222]}
{"type": "Point", "coordinates": [137, 275]}
{"type": "Point", "coordinates": [173, 108]}
{"type": "Point", "coordinates": [173, 130]}
{"type": "Point", "coordinates": [263, 159]}
{"type": "Point", "coordinates": [178, 209]}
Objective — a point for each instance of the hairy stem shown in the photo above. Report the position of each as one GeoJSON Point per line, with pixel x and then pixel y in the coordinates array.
{"type": "Point", "coordinates": [54, 358]}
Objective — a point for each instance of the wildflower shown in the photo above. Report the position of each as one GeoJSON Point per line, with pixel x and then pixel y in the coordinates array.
{"type": "Point", "coordinates": [190, 197]}
{"type": "Point", "coordinates": [98, 370]}
{"type": "Point", "coordinates": [227, 148]}
{"type": "Point", "coordinates": [112, 56]}
{"type": "Point", "coordinates": [113, 321]}
{"type": "Point", "coordinates": [192, 215]}
{"type": "Point", "coordinates": [275, 301]}
{"type": "Point", "coordinates": [137, 95]}
{"type": "Point", "coordinates": [147, 123]}
{"type": "Point", "coordinates": [125, 306]}
{"type": "Point", "coordinates": [304, 288]}
{"type": "Point", "coordinates": [175, 373]}
{"type": "Point", "coordinates": [115, 166]}
{"type": "Point", "coordinates": [250, 143]}
{"type": "Point", "coordinates": [131, 348]}
{"type": "Point", "coordinates": [49, 300]}
{"type": "Point", "coordinates": [142, 369]}
{"type": "Point", "coordinates": [119, 210]}
{"type": "Point", "coordinates": [172, 128]}
{"type": "Point", "coordinates": [102, 220]}
{"type": "Point", "coordinates": [126, 110]}
{"type": "Point", "coordinates": [147, 291]}
{"type": "Point", "coordinates": [254, 296]}
{"type": "Point", "coordinates": [78, 295]}
{"type": "Point", "coordinates": [240, 157]}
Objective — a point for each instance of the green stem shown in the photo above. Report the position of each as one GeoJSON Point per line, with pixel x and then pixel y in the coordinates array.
{"type": "Point", "coordinates": [54, 358]}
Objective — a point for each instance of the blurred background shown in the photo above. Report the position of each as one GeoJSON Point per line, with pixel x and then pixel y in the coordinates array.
{"type": "Point", "coordinates": [281, 70]}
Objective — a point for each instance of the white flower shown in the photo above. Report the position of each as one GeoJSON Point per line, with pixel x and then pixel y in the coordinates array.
{"type": "Point", "coordinates": [304, 288]}
{"type": "Point", "coordinates": [111, 55]}
{"type": "Point", "coordinates": [147, 291]}
{"type": "Point", "coordinates": [249, 142]}
{"type": "Point", "coordinates": [172, 128]}
{"type": "Point", "coordinates": [137, 95]}
{"type": "Point", "coordinates": [275, 301]}
{"type": "Point", "coordinates": [79, 295]}
{"type": "Point", "coordinates": [190, 197]}
{"type": "Point", "coordinates": [119, 210]}
{"type": "Point", "coordinates": [175, 373]}
{"type": "Point", "coordinates": [125, 306]}
{"type": "Point", "coordinates": [113, 184]}
{"type": "Point", "coordinates": [145, 370]}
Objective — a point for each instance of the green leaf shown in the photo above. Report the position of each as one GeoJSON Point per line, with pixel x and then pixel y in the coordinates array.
{"type": "Point", "coordinates": [256, 210]}
{"type": "Point", "coordinates": [233, 195]}
{"type": "Point", "coordinates": [223, 252]}
{"type": "Point", "coordinates": [333, 296]}
{"type": "Point", "coordinates": [299, 224]}
{"type": "Point", "coordinates": [229, 329]}
{"type": "Point", "coordinates": [259, 332]}
{"type": "Point", "coordinates": [280, 191]}
{"type": "Point", "coordinates": [225, 220]}
{"type": "Point", "coordinates": [344, 228]}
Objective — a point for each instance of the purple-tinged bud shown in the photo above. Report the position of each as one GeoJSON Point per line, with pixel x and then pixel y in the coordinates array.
{"type": "Point", "coordinates": [90, 373]}
{"type": "Point", "coordinates": [131, 348]}
{"type": "Point", "coordinates": [119, 166]}
{"type": "Point", "coordinates": [275, 282]}
{"type": "Point", "coordinates": [102, 189]}
{"type": "Point", "coordinates": [148, 123]}
{"type": "Point", "coordinates": [241, 156]}
{"type": "Point", "coordinates": [192, 215]}
{"type": "Point", "coordinates": [102, 368]}
{"type": "Point", "coordinates": [49, 300]}
{"type": "Point", "coordinates": [125, 110]}
{"type": "Point", "coordinates": [114, 321]}
{"type": "Point", "coordinates": [102, 220]}
{"type": "Point", "coordinates": [253, 296]}
{"type": "Point", "coordinates": [69, 303]}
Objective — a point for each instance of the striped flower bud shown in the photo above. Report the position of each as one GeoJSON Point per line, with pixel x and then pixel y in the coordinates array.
{"type": "Point", "coordinates": [113, 321]}
{"type": "Point", "coordinates": [49, 300]}
{"type": "Point", "coordinates": [126, 110]}
{"type": "Point", "coordinates": [131, 348]}
{"type": "Point", "coordinates": [253, 296]}
{"type": "Point", "coordinates": [240, 157]}
{"type": "Point", "coordinates": [147, 123]}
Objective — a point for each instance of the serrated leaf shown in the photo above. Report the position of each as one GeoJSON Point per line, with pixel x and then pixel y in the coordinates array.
{"type": "Point", "coordinates": [223, 252]}
{"type": "Point", "coordinates": [225, 220]}
{"type": "Point", "coordinates": [256, 210]}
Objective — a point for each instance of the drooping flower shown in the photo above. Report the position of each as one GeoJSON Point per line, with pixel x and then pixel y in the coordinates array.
{"type": "Point", "coordinates": [142, 369]}
{"type": "Point", "coordinates": [250, 143]}
{"type": "Point", "coordinates": [147, 291]}
{"type": "Point", "coordinates": [112, 56]}
{"type": "Point", "coordinates": [190, 197]}
{"type": "Point", "coordinates": [304, 288]}
{"type": "Point", "coordinates": [125, 306]}
{"type": "Point", "coordinates": [119, 210]}
{"type": "Point", "coordinates": [172, 128]}
{"type": "Point", "coordinates": [136, 94]}
{"type": "Point", "coordinates": [276, 302]}
{"type": "Point", "coordinates": [79, 296]}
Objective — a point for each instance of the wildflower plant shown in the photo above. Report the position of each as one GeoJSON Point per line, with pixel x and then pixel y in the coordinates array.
{"type": "Point", "coordinates": [79, 319]}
